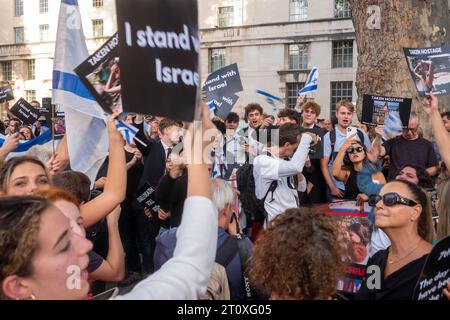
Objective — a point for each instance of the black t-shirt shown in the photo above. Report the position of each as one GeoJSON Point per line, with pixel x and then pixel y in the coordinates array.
{"type": "Point", "coordinates": [419, 152]}
{"type": "Point", "coordinates": [399, 285]}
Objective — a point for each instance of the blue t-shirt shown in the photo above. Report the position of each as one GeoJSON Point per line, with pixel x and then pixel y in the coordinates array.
{"type": "Point", "coordinates": [327, 152]}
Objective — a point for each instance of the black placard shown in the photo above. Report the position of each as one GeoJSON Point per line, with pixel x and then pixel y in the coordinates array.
{"type": "Point", "coordinates": [430, 69]}
{"type": "Point", "coordinates": [46, 110]}
{"type": "Point", "coordinates": [223, 82]}
{"type": "Point", "coordinates": [435, 274]}
{"type": "Point", "coordinates": [100, 73]}
{"type": "Point", "coordinates": [6, 94]}
{"type": "Point", "coordinates": [25, 111]}
{"type": "Point", "coordinates": [379, 110]}
{"type": "Point", "coordinates": [146, 197]}
{"type": "Point", "coordinates": [159, 51]}
{"type": "Point", "coordinates": [223, 107]}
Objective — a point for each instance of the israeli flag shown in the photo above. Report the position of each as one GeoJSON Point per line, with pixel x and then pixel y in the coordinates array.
{"type": "Point", "coordinates": [128, 131]}
{"type": "Point", "coordinates": [271, 99]}
{"type": "Point", "coordinates": [311, 82]}
{"type": "Point", "coordinates": [86, 133]}
{"type": "Point", "coordinates": [25, 146]}
{"type": "Point", "coordinates": [393, 125]}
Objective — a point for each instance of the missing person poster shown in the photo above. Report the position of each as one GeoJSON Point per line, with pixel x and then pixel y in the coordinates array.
{"type": "Point", "coordinates": [435, 274]}
{"type": "Point", "coordinates": [100, 73]}
{"type": "Point", "coordinates": [159, 47]}
{"type": "Point", "coordinates": [25, 111]}
{"type": "Point", "coordinates": [354, 236]}
{"type": "Point", "coordinates": [46, 110]}
{"type": "Point", "coordinates": [59, 125]}
{"type": "Point", "coordinates": [430, 69]}
{"type": "Point", "coordinates": [146, 198]}
{"type": "Point", "coordinates": [377, 110]}
{"type": "Point", "coordinates": [6, 93]}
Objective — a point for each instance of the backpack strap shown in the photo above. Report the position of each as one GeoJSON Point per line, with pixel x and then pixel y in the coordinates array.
{"type": "Point", "coordinates": [273, 185]}
{"type": "Point", "coordinates": [227, 251]}
{"type": "Point", "coordinates": [245, 255]}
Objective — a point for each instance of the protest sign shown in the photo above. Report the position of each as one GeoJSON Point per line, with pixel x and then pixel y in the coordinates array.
{"type": "Point", "coordinates": [25, 111]}
{"type": "Point", "coordinates": [159, 48]}
{"type": "Point", "coordinates": [435, 274]}
{"type": "Point", "coordinates": [377, 110]}
{"type": "Point", "coordinates": [223, 82]}
{"type": "Point", "coordinates": [59, 125]}
{"type": "Point", "coordinates": [223, 107]}
{"type": "Point", "coordinates": [46, 110]}
{"type": "Point", "coordinates": [100, 74]}
{"type": "Point", "coordinates": [146, 197]}
{"type": "Point", "coordinates": [354, 234]}
{"type": "Point", "coordinates": [430, 69]}
{"type": "Point", "coordinates": [6, 94]}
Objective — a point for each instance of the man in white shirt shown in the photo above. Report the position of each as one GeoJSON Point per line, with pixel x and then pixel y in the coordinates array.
{"type": "Point", "coordinates": [268, 168]}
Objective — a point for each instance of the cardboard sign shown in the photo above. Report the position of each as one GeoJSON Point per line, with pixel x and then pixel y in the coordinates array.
{"type": "Point", "coordinates": [159, 50]}
{"type": "Point", "coordinates": [435, 274]}
{"type": "Point", "coordinates": [225, 81]}
{"type": "Point", "coordinates": [146, 197]}
{"type": "Point", "coordinates": [223, 107]}
{"type": "Point", "coordinates": [25, 111]}
{"type": "Point", "coordinates": [59, 125]}
{"type": "Point", "coordinates": [6, 94]}
{"type": "Point", "coordinates": [430, 69]}
{"type": "Point", "coordinates": [354, 236]}
{"type": "Point", "coordinates": [100, 73]}
{"type": "Point", "coordinates": [316, 152]}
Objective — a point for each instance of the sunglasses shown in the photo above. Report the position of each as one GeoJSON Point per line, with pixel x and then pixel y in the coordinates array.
{"type": "Point", "coordinates": [390, 199]}
{"type": "Point", "coordinates": [353, 150]}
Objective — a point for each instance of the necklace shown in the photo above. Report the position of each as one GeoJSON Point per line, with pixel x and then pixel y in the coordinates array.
{"type": "Point", "coordinates": [391, 261]}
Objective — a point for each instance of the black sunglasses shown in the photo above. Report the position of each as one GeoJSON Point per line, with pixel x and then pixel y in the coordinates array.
{"type": "Point", "coordinates": [390, 199]}
{"type": "Point", "coordinates": [353, 149]}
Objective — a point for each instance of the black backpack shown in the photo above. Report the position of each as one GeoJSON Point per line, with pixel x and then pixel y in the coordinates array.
{"type": "Point", "coordinates": [252, 206]}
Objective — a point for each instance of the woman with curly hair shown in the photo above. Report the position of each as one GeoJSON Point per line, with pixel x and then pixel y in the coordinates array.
{"type": "Point", "coordinates": [298, 256]}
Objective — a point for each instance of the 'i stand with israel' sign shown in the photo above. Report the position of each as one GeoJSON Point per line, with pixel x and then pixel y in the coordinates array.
{"type": "Point", "coordinates": [159, 57]}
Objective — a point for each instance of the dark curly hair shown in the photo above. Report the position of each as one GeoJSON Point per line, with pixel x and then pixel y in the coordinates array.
{"type": "Point", "coordinates": [298, 256]}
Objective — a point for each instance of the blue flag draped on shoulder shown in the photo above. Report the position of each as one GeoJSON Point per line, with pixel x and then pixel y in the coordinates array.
{"type": "Point", "coordinates": [311, 82]}
{"type": "Point", "coordinates": [86, 133]}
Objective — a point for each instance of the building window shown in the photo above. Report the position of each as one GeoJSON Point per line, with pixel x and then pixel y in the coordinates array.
{"type": "Point", "coordinates": [216, 59]}
{"type": "Point", "coordinates": [19, 34]}
{"type": "Point", "coordinates": [43, 32]}
{"type": "Point", "coordinates": [342, 9]}
{"type": "Point", "coordinates": [298, 56]}
{"type": "Point", "coordinates": [97, 28]}
{"type": "Point", "coordinates": [292, 93]}
{"type": "Point", "coordinates": [343, 54]}
{"type": "Point", "coordinates": [7, 70]}
{"type": "Point", "coordinates": [31, 67]}
{"type": "Point", "coordinates": [43, 6]}
{"type": "Point", "coordinates": [298, 10]}
{"type": "Point", "coordinates": [226, 17]}
{"type": "Point", "coordinates": [18, 8]}
{"type": "Point", "coordinates": [30, 95]}
{"type": "Point", "coordinates": [97, 3]}
{"type": "Point", "coordinates": [342, 90]}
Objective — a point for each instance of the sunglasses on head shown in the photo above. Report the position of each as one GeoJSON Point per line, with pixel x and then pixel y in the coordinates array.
{"type": "Point", "coordinates": [390, 199]}
{"type": "Point", "coordinates": [353, 149]}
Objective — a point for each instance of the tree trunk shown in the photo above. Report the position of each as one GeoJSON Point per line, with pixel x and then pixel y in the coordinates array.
{"type": "Point", "coordinates": [382, 68]}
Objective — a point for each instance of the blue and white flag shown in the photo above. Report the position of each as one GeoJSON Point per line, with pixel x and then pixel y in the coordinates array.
{"type": "Point", "coordinates": [25, 146]}
{"type": "Point", "coordinates": [311, 82]}
{"type": "Point", "coordinates": [271, 99]}
{"type": "Point", "coordinates": [393, 125]}
{"type": "Point", "coordinates": [128, 131]}
{"type": "Point", "coordinates": [86, 133]}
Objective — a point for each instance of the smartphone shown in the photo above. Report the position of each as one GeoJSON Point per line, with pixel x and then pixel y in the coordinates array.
{"type": "Point", "coordinates": [351, 131]}
{"type": "Point", "coordinates": [111, 293]}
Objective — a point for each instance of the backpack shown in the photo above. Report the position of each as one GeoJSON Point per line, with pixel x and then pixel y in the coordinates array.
{"type": "Point", "coordinates": [333, 143]}
{"type": "Point", "coordinates": [252, 206]}
{"type": "Point", "coordinates": [218, 288]}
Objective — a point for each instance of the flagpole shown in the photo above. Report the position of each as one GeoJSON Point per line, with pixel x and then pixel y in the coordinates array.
{"type": "Point", "coordinates": [53, 129]}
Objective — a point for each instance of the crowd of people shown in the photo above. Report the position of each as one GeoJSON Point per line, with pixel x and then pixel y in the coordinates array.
{"type": "Point", "coordinates": [240, 223]}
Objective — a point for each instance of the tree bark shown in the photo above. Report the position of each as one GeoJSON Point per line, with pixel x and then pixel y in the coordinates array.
{"type": "Point", "coordinates": [382, 67]}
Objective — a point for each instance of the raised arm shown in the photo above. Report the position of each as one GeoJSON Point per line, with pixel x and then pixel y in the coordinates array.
{"type": "Point", "coordinates": [116, 181]}
{"type": "Point", "coordinates": [8, 146]}
{"type": "Point", "coordinates": [186, 275]}
{"type": "Point", "coordinates": [339, 173]}
{"type": "Point", "coordinates": [430, 106]}
{"type": "Point", "coordinates": [113, 267]}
